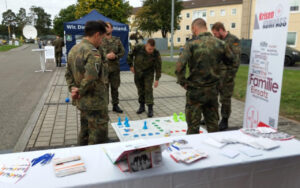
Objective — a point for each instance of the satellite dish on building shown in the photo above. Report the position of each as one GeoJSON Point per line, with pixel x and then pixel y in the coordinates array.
{"type": "Point", "coordinates": [29, 32]}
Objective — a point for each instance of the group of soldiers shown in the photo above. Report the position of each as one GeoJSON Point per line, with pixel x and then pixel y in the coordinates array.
{"type": "Point", "coordinates": [93, 67]}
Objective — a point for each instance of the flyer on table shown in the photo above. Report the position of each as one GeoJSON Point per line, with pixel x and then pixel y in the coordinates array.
{"type": "Point", "coordinates": [266, 63]}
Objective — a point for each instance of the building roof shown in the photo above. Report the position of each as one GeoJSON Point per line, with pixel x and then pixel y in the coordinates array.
{"type": "Point", "coordinates": [201, 3]}
{"type": "Point", "coordinates": [209, 3]}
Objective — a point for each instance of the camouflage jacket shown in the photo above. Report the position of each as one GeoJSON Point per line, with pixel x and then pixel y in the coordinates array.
{"type": "Point", "coordinates": [88, 72]}
{"type": "Point", "coordinates": [58, 44]}
{"type": "Point", "coordinates": [144, 62]}
{"type": "Point", "coordinates": [112, 45]}
{"type": "Point", "coordinates": [234, 43]}
{"type": "Point", "coordinates": [202, 55]}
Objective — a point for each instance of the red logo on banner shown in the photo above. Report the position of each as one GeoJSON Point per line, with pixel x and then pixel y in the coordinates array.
{"type": "Point", "coordinates": [252, 118]}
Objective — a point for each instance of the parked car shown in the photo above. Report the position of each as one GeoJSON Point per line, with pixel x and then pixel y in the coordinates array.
{"type": "Point", "coordinates": [291, 55]}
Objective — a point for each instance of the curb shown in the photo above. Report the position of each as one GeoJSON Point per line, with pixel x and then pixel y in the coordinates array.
{"type": "Point", "coordinates": [25, 136]}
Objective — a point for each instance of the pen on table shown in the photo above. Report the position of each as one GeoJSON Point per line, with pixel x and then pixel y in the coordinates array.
{"type": "Point", "coordinates": [175, 147]}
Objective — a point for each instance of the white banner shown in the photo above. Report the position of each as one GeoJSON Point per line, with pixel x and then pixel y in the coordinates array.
{"type": "Point", "coordinates": [266, 63]}
{"type": "Point", "coordinates": [49, 53]}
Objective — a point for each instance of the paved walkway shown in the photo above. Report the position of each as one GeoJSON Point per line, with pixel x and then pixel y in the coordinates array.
{"type": "Point", "coordinates": [58, 123]}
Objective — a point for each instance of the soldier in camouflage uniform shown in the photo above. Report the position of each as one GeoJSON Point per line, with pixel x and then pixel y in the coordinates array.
{"type": "Point", "coordinates": [227, 73]}
{"type": "Point", "coordinates": [86, 76]}
{"type": "Point", "coordinates": [113, 50]}
{"type": "Point", "coordinates": [144, 60]}
{"type": "Point", "coordinates": [58, 44]}
{"type": "Point", "coordinates": [202, 55]}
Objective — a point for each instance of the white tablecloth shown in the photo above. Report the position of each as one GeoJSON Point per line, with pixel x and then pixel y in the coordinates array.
{"type": "Point", "coordinates": [276, 168]}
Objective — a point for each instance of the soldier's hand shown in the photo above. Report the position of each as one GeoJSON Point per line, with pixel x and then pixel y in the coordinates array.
{"type": "Point", "coordinates": [185, 86]}
{"type": "Point", "coordinates": [111, 56]}
{"type": "Point", "coordinates": [75, 93]}
{"type": "Point", "coordinates": [132, 70]}
{"type": "Point", "coordinates": [155, 83]}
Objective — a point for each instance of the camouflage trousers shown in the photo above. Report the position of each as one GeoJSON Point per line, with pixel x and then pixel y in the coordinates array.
{"type": "Point", "coordinates": [94, 127]}
{"type": "Point", "coordinates": [144, 82]}
{"type": "Point", "coordinates": [200, 101]}
{"type": "Point", "coordinates": [225, 88]}
{"type": "Point", "coordinates": [58, 56]}
{"type": "Point", "coordinates": [114, 83]}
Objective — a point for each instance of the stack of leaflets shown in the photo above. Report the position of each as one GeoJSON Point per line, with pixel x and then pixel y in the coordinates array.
{"type": "Point", "coordinates": [135, 155]}
{"type": "Point", "coordinates": [13, 170]}
{"type": "Point", "coordinates": [181, 151]}
{"type": "Point", "coordinates": [68, 166]}
{"type": "Point", "coordinates": [188, 155]}
{"type": "Point", "coordinates": [267, 132]}
{"type": "Point", "coordinates": [258, 143]}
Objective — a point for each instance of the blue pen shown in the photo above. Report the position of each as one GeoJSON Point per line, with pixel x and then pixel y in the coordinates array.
{"type": "Point", "coordinates": [175, 147]}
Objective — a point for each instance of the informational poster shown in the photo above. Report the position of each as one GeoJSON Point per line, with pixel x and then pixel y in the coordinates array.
{"type": "Point", "coordinates": [49, 53]}
{"type": "Point", "coordinates": [266, 63]}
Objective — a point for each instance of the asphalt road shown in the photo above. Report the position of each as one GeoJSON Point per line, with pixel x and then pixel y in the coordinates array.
{"type": "Point", "coordinates": [20, 91]}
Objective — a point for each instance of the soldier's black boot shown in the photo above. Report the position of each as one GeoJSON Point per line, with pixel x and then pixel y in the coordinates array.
{"type": "Point", "coordinates": [117, 109]}
{"type": "Point", "coordinates": [141, 108]}
{"type": "Point", "coordinates": [223, 124]}
{"type": "Point", "coordinates": [150, 110]}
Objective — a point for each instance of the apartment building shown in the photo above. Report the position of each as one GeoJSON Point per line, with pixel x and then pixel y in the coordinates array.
{"type": "Point", "coordinates": [237, 16]}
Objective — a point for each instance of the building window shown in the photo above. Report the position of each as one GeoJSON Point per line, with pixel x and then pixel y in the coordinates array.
{"type": "Point", "coordinates": [233, 11]}
{"type": "Point", "coordinates": [178, 39]}
{"type": "Point", "coordinates": [211, 25]}
{"type": "Point", "coordinates": [212, 13]}
{"type": "Point", "coordinates": [187, 15]}
{"type": "Point", "coordinates": [294, 5]}
{"type": "Point", "coordinates": [233, 25]}
{"type": "Point", "coordinates": [199, 14]}
{"type": "Point", "coordinates": [187, 39]}
{"type": "Point", "coordinates": [178, 28]}
{"type": "Point", "coordinates": [223, 12]}
{"type": "Point", "coordinates": [291, 38]}
{"type": "Point", "coordinates": [187, 27]}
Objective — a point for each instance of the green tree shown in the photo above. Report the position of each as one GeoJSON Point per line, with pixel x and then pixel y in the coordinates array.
{"type": "Point", "coordinates": [155, 15]}
{"type": "Point", "coordinates": [117, 10]}
{"type": "Point", "coordinates": [9, 19]}
{"type": "Point", "coordinates": [65, 15]}
{"type": "Point", "coordinates": [21, 20]}
{"type": "Point", "coordinates": [42, 20]}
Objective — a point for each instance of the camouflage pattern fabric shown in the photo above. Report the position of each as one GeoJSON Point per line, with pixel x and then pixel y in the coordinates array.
{"type": "Point", "coordinates": [202, 55]}
{"type": "Point", "coordinates": [144, 82]}
{"type": "Point", "coordinates": [227, 75]}
{"type": "Point", "coordinates": [94, 127]}
{"type": "Point", "coordinates": [113, 45]}
{"type": "Point", "coordinates": [58, 45]}
{"type": "Point", "coordinates": [145, 65]}
{"type": "Point", "coordinates": [88, 72]}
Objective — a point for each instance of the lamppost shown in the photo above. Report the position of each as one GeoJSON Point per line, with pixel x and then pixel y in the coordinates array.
{"type": "Point", "coordinates": [172, 30]}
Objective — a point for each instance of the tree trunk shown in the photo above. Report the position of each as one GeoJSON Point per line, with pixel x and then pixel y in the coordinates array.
{"type": "Point", "coordinates": [164, 33]}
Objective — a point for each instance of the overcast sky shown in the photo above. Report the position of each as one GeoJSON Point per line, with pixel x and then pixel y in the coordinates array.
{"type": "Point", "coordinates": [50, 6]}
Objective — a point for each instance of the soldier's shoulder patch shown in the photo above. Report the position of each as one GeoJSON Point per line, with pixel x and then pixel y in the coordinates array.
{"type": "Point", "coordinates": [94, 50]}
{"type": "Point", "coordinates": [235, 44]}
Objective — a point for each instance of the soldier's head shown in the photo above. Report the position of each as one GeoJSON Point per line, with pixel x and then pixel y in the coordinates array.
{"type": "Point", "coordinates": [95, 31]}
{"type": "Point", "coordinates": [109, 30]}
{"type": "Point", "coordinates": [57, 36]}
{"type": "Point", "coordinates": [218, 29]}
{"type": "Point", "coordinates": [199, 26]}
{"type": "Point", "coordinates": [150, 46]}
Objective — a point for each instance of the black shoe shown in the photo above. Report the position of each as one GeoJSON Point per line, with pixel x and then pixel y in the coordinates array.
{"type": "Point", "coordinates": [141, 109]}
{"type": "Point", "coordinates": [202, 122]}
{"type": "Point", "coordinates": [150, 110]}
{"type": "Point", "coordinates": [223, 124]}
{"type": "Point", "coordinates": [117, 109]}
